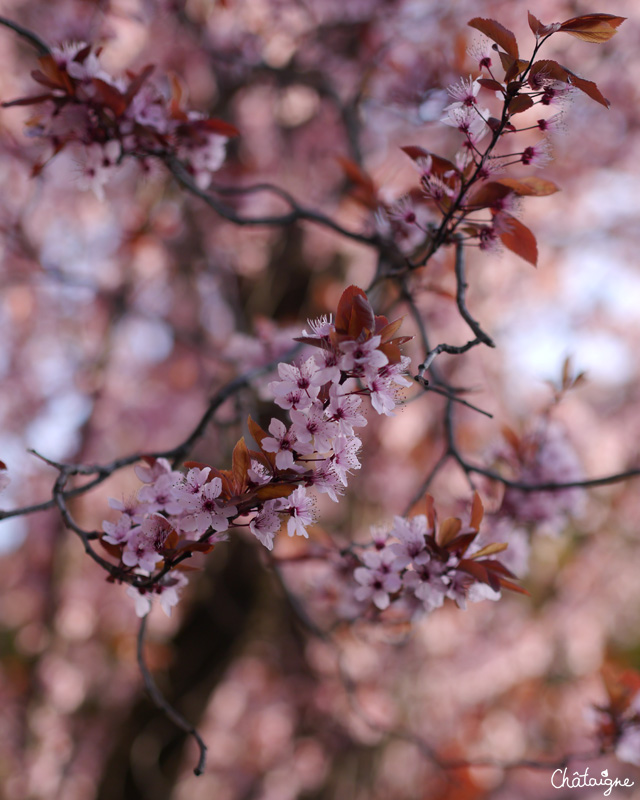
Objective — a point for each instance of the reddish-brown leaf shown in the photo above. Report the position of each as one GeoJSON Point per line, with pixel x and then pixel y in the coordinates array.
{"type": "Point", "coordinates": [109, 96]}
{"type": "Point", "coordinates": [137, 82]}
{"type": "Point", "coordinates": [487, 194]}
{"type": "Point", "coordinates": [431, 514]}
{"type": "Point", "coordinates": [53, 73]}
{"type": "Point", "coordinates": [460, 544]}
{"type": "Point", "coordinates": [513, 587]}
{"type": "Point", "coordinates": [389, 330]}
{"type": "Point", "coordinates": [113, 549]}
{"type": "Point", "coordinates": [219, 126]}
{"type": "Point", "coordinates": [477, 570]}
{"type": "Point", "coordinates": [362, 317]}
{"type": "Point", "coordinates": [477, 512]}
{"type": "Point", "coordinates": [519, 239]}
{"type": "Point", "coordinates": [498, 566]}
{"type": "Point", "coordinates": [535, 25]}
{"type": "Point", "coordinates": [366, 189]}
{"type": "Point", "coordinates": [556, 71]}
{"type": "Point", "coordinates": [439, 166]}
{"type": "Point", "coordinates": [27, 101]}
{"type": "Point", "coordinates": [491, 84]}
{"type": "Point", "coordinates": [256, 431]}
{"type": "Point", "coordinates": [351, 296]}
{"type": "Point", "coordinates": [498, 33]}
{"type": "Point", "coordinates": [240, 463]}
{"type": "Point", "coordinates": [196, 464]}
{"type": "Point", "coordinates": [516, 68]}
{"type": "Point", "coordinates": [520, 103]}
{"type": "Point", "coordinates": [593, 28]}
{"type": "Point", "coordinates": [273, 491]}
{"type": "Point", "coordinates": [530, 186]}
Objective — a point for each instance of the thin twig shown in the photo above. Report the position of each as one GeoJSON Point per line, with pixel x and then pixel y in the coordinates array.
{"type": "Point", "coordinates": [28, 35]}
{"type": "Point", "coordinates": [296, 214]}
{"type": "Point", "coordinates": [450, 396]}
{"type": "Point", "coordinates": [461, 289]}
{"type": "Point", "coordinates": [161, 703]}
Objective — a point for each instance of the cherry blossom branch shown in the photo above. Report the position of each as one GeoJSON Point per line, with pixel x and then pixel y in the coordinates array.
{"type": "Point", "coordinates": [161, 703]}
{"type": "Point", "coordinates": [31, 37]}
{"type": "Point", "coordinates": [298, 213]}
{"type": "Point", "coordinates": [176, 454]}
{"type": "Point", "coordinates": [461, 289]}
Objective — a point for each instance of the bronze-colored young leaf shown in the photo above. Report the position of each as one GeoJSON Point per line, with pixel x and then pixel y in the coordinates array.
{"type": "Point", "coordinates": [273, 491]}
{"type": "Point", "coordinates": [498, 33]}
{"type": "Point", "coordinates": [449, 529]}
{"type": "Point", "coordinates": [490, 549]}
{"type": "Point", "coordinates": [256, 431]}
{"type": "Point", "coordinates": [519, 239]}
{"type": "Point", "coordinates": [530, 186]}
{"type": "Point", "coordinates": [241, 462]}
{"type": "Point", "coordinates": [594, 28]}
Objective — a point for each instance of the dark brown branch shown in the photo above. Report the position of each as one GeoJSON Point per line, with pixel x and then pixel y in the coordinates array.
{"type": "Point", "coordinates": [176, 454]}
{"type": "Point", "coordinates": [449, 395]}
{"type": "Point", "coordinates": [298, 213]}
{"type": "Point", "coordinates": [33, 39]}
{"type": "Point", "coordinates": [461, 289]}
{"type": "Point", "coordinates": [164, 706]}
{"type": "Point", "coordinates": [551, 486]}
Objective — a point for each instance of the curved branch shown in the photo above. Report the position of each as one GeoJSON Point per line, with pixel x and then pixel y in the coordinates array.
{"type": "Point", "coordinates": [297, 213]}
{"type": "Point", "coordinates": [28, 35]}
{"type": "Point", "coordinates": [160, 702]}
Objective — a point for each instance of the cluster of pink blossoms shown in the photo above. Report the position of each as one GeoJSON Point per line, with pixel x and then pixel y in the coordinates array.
{"type": "Point", "coordinates": [418, 563]}
{"type": "Point", "coordinates": [102, 119]}
{"type": "Point", "coordinates": [462, 188]}
{"type": "Point", "coordinates": [176, 513]}
{"type": "Point", "coordinates": [541, 456]}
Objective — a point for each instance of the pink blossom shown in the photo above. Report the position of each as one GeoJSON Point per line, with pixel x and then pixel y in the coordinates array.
{"type": "Point", "coordinates": [325, 479]}
{"type": "Point", "coordinates": [282, 443]}
{"type": "Point", "coordinates": [464, 93]}
{"type": "Point", "coordinates": [146, 542]}
{"type": "Point", "coordinates": [361, 357]}
{"type": "Point", "coordinates": [97, 167]}
{"type": "Point", "coordinates": [481, 51]}
{"type": "Point", "coordinates": [469, 120]}
{"type": "Point", "coordinates": [149, 473]}
{"type": "Point", "coordinates": [320, 328]}
{"type": "Point", "coordinates": [266, 523]}
{"type": "Point", "coordinates": [426, 582]}
{"type": "Point", "coordinates": [536, 155]}
{"type": "Point", "coordinates": [344, 456]}
{"type": "Point", "coordinates": [118, 532]}
{"type": "Point", "coordinates": [296, 388]}
{"type": "Point", "coordinates": [378, 578]}
{"type": "Point", "coordinates": [343, 409]}
{"type": "Point", "coordinates": [167, 589]}
{"type": "Point", "coordinates": [328, 369]}
{"type": "Point", "coordinates": [299, 506]}
{"type": "Point", "coordinates": [412, 546]}
{"type": "Point", "coordinates": [206, 512]}
{"type": "Point", "coordinates": [311, 427]}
